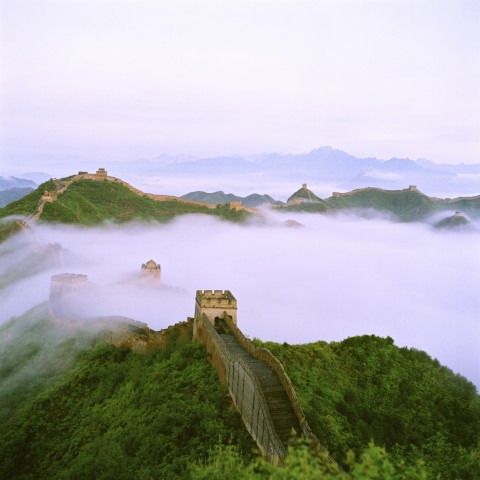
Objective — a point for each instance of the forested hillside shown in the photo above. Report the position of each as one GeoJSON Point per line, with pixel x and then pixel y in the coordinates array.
{"type": "Point", "coordinates": [76, 410]}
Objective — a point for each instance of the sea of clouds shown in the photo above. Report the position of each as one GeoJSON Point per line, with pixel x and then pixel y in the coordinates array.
{"type": "Point", "coordinates": [335, 277]}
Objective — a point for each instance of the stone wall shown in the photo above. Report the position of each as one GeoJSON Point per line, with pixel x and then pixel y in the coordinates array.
{"type": "Point", "coordinates": [268, 357]}
{"type": "Point", "coordinates": [245, 391]}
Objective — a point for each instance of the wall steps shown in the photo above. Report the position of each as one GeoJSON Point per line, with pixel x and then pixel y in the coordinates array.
{"type": "Point", "coordinates": [283, 416]}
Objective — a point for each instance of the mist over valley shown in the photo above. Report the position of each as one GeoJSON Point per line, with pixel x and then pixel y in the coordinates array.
{"type": "Point", "coordinates": [330, 278]}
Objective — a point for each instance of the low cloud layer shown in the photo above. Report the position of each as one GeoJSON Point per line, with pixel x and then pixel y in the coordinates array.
{"type": "Point", "coordinates": [336, 277]}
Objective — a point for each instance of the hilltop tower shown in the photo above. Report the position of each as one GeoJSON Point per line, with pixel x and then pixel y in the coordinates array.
{"type": "Point", "coordinates": [214, 304]}
{"type": "Point", "coordinates": [151, 270]}
{"type": "Point", "coordinates": [304, 185]}
{"type": "Point", "coordinates": [101, 174]}
{"type": "Point", "coordinates": [413, 188]}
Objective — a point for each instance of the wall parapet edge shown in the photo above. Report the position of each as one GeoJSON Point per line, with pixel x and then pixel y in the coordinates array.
{"type": "Point", "coordinates": [268, 357]}
{"type": "Point", "coordinates": [230, 366]}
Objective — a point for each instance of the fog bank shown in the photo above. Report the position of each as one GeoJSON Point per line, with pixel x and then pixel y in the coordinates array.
{"type": "Point", "coordinates": [336, 277]}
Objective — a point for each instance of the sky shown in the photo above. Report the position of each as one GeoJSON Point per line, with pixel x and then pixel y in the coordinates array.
{"type": "Point", "coordinates": [127, 79]}
{"type": "Point", "coordinates": [335, 278]}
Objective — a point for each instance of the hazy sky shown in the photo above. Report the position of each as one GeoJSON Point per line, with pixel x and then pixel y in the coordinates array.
{"type": "Point", "coordinates": [123, 79]}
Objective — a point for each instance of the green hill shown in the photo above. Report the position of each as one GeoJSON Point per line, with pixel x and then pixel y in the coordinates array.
{"type": "Point", "coordinates": [304, 194]}
{"type": "Point", "coordinates": [88, 202]}
{"type": "Point", "coordinates": [455, 222]}
{"type": "Point", "coordinates": [407, 205]}
{"type": "Point", "coordinates": [74, 408]}
{"type": "Point", "coordinates": [468, 205]}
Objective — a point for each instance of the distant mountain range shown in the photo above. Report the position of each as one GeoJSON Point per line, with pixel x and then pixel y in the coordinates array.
{"type": "Point", "coordinates": [11, 194]}
{"type": "Point", "coordinates": [7, 183]}
{"type": "Point", "coordinates": [322, 166]}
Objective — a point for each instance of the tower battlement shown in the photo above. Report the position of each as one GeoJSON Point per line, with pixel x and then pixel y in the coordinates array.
{"type": "Point", "coordinates": [216, 299]}
{"type": "Point", "coordinates": [101, 173]}
{"type": "Point", "coordinates": [214, 304]}
{"type": "Point", "coordinates": [68, 282]}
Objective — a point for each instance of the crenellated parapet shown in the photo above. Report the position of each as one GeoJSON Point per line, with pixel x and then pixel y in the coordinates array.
{"type": "Point", "coordinates": [214, 304]}
{"type": "Point", "coordinates": [257, 382]}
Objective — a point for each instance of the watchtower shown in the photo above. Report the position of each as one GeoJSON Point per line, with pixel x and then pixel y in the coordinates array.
{"type": "Point", "coordinates": [214, 304]}
{"type": "Point", "coordinates": [65, 289]}
{"type": "Point", "coordinates": [101, 174]}
{"type": "Point", "coordinates": [304, 185]}
{"type": "Point", "coordinates": [151, 269]}
{"type": "Point", "coordinates": [413, 188]}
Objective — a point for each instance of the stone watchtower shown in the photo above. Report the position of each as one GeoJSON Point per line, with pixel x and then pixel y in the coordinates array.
{"type": "Point", "coordinates": [214, 304]}
{"type": "Point", "coordinates": [101, 174]}
{"type": "Point", "coordinates": [151, 270]}
{"type": "Point", "coordinates": [64, 288]}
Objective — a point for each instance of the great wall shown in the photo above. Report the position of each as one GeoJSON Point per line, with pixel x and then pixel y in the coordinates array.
{"type": "Point", "coordinates": [257, 383]}
{"type": "Point", "coordinates": [102, 176]}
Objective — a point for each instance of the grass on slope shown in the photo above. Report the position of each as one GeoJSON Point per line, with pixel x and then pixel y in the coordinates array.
{"type": "Point", "coordinates": [365, 388]}
{"type": "Point", "coordinates": [306, 194]}
{"type": "Point", "coordinates": [123, 415]}
{"type": "Point", "coordinates": [470, 205]}
{"type": "Point", "coordinates": [407, 205]}
{"type": "Point", "coordinates": [88, 202]}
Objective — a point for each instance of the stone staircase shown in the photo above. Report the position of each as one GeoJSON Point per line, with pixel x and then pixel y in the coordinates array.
{"type": "Point", "coordinates": [281, 412]}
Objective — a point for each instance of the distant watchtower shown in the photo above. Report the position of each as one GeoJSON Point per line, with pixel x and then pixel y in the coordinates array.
{"type": "Point", "coordinates": [413, 188]}
{"type": "Point", "coordinates": [151, 269]}
{"type": "Point", "coordinates": [214, 304]}
{"type": "Point", "coordinates": [64, 289]}
{"type": "Point", "coordinates": [304, 185]}
{"type": "Point", "coordinates": [101, 174]}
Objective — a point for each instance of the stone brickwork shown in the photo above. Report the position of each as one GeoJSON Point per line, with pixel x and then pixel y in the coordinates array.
{"type": "Point", "coordinates": [245, 390]}
{"type": "Point", "coordinates": [213, 304]}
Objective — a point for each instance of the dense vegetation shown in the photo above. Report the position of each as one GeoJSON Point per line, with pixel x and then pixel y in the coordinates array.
{"type": "Point", "coordinates": [70, 410]}
{"type": "Point", "coordinates": [470, 205]}
{"type": "Point", "coordinates": [89, 202]}
{"type": "Point", "coordinates": [407, 205]}
{"type": "Point", "coordinates": [305, 194]}
{"type": "Point", "coordinates": [455, 223]}
{"type": "Point", "coordinates": [365, 388]}
{"type": "Point", "coordinates": [118, 414]}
